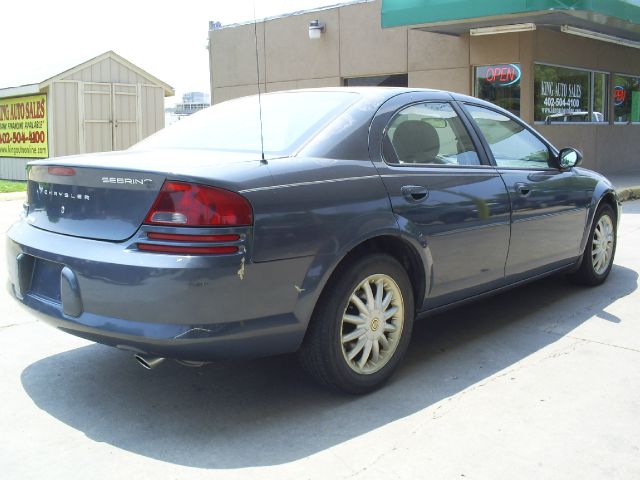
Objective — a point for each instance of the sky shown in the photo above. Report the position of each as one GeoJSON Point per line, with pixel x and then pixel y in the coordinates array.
{"type": "Point", "coordinates": [167, 39]}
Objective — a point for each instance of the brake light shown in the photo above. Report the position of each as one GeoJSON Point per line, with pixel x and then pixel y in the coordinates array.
{"type": "Point", "coordinates": [63, 171]}
{"type": "Point", "coordinates": [193, 205]}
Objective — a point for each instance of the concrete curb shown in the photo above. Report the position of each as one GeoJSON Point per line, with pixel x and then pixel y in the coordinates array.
{"type": "Point", "coordinates": [628, 193]}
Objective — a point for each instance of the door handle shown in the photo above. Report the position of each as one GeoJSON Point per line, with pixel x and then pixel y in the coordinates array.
{"type": "Point", "coordinates": [523, 189]}
{"type": "Point", "coordinates": [415, 193]}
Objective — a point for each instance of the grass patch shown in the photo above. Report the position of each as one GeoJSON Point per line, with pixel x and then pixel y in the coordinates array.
{"type": "Point", "coordinates": [7, 186]}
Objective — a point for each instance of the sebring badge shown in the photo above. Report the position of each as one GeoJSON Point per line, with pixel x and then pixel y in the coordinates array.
{"type": "Point", "coordinates": [127, 181]}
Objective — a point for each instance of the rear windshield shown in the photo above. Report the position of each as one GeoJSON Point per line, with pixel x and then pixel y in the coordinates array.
{"type": "Point", "coordinates": [288, 121]}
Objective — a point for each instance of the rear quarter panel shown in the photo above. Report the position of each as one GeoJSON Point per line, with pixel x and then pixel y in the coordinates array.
{"type": "Point", "coordinates": [320, 208]}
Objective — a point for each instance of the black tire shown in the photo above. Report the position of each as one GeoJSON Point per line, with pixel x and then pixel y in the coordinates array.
{"type": "Point", "coordinates": [587, 274]}
{"type": "Point", "coordinates": [323, 355]}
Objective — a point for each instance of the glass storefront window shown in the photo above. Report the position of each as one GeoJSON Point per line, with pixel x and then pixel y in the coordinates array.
{"type": "Point", "coordinates": [400, 80]}
{"type": "Point", "coordinates": [499, 84]}
{"type": "Point", "coordinates": [569, 95]}
{"type": "Point", "coordinates": [600, 95]}
{"type": "Point", "coordinates": [626, 97]}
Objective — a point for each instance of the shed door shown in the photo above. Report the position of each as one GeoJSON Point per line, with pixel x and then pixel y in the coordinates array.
{"type": "Point", "coordinates": [98, 125]}
{"type": "Point", "coordinates": [110, 116]}
{"type": "Point", "coordinates": [125, 115]}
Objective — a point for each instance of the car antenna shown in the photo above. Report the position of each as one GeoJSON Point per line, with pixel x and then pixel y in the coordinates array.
{"type": "Point", "coordinates": [255, 36]}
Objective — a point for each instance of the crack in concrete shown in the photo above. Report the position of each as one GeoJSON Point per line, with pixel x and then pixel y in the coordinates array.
{"type": "Point", "coordinates": [2, 327]}
{"type": "Point", "coordinates": [636, 350]}
{"type": "Point", "coordinates": [573, 337]}
{"type": "Point", "coordinates": [371, 464]}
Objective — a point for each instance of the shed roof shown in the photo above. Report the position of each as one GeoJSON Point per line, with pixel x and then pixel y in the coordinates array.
{"type": "Point", "coordinates": [74, 73]}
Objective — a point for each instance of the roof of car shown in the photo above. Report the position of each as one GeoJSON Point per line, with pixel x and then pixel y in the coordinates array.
{"type": "Point", "coordinates": [362, 90]}
{"type": "Point", "coordinates": [384, 92]}
{"type": "Point", "coordinates": [378, 95]}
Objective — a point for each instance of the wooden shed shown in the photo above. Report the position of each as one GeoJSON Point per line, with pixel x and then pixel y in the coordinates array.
{"type": "Point", "coordinates": [106, 103]}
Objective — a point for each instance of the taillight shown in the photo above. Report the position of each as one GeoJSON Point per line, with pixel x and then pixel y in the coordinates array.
{"type": "Point", "coordinates": [193, 205]}
{"type": "Point", "coordinates": [181, 204]}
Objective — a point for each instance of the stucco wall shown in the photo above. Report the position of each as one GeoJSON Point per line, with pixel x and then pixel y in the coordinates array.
{"type": "Point", "coordinates": [354, 45]}
{"type": "Point", "coordinates": [439, 61]}
{"type": "Point", "coordinates": [606, 147]}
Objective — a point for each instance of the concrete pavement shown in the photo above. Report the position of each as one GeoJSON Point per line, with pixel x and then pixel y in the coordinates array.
{"type": "Point", "coordinates": [540, 382]}
{"type": "Point", "coordinates": [13, 196]}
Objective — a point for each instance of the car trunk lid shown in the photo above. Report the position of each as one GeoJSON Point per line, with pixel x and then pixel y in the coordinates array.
{"type": "Point", "coordinates": [99, 203]}
{"type": "Point", "coordinates": [107, 195]}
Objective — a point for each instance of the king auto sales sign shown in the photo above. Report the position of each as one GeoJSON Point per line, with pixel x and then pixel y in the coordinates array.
{"type": "Point", "coordinates": [23, 127]}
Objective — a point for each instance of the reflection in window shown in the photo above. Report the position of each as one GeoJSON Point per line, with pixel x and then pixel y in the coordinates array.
{"type": "Point", "coordinates": [500, 84]}
{"type": "Point", "coordinates": [429, 133]}
{"type": "Point", "coordinates": [600, 94]}
{"type": "Point", "coordinates": [626, 97]}
{"type": "Point", "coordinates": [511, 143]}
{"type": "Point", "coordinates": [279, 122]}
{"type": "Point", "coordinates": [567, 95]}
{"type": "Point", "coordinates": [400, 80]}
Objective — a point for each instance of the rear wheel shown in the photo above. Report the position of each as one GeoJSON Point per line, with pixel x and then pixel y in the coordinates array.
{"type": "Point", "coordinates": [597, 258]}
{"type": "Point", "coordinates": [361, 327]}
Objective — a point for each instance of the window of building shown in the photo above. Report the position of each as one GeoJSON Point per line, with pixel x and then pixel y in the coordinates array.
{"type": "Point", "coordinates": [626, 98]}
{"type": "Point", "coordinates": [400, 80]}
{"type": "Point", "coordinates": [429, 133]}
{"type": "Point", "coordinates": [511, 143]}
{"type": "Point", "coordinates": [499, 84]}
{"type": "Point", "coordinates": [566, 95]}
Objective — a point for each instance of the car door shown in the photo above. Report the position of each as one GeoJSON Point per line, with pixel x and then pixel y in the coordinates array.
{"type": "Point", "coordinates": [549, 205]}
{"type": "Point", "coordinates": [444, 193]}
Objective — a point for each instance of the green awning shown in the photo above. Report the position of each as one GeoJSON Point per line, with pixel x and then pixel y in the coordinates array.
{"type": "Point", "coordinates": [625, 13]}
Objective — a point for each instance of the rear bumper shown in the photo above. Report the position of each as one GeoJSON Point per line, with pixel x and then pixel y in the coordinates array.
{"type": "Point", "coordinates": [188, 307]}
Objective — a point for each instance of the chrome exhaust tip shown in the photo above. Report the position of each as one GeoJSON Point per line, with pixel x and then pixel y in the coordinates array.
{"type": "Point", "coordinates": [147, 361]}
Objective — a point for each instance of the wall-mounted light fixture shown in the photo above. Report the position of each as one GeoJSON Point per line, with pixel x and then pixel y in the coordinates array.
{"type": "Point", "coordinates": [599, 36]}
{"type": "Point", "coordinates": [316, 28]}
{"type": "Point", "coordinates": [514, 28]}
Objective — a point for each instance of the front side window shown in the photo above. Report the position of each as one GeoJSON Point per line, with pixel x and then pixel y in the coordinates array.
{"type": "Point", "coordinates": [511, 143]}
{"type": "Point", "coordinates": [429, 133]}
{"type": "Point", "coordinates": [626, 95]}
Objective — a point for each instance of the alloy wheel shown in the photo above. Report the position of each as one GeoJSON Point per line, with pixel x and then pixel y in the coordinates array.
{"type": "Point", "coordinates": [372, 324]}
{"type": "Point", "coordinates": [602, 245]}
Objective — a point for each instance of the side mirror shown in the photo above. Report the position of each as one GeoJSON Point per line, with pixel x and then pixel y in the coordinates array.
{"type": "Point", "coordinates": [569, 158]}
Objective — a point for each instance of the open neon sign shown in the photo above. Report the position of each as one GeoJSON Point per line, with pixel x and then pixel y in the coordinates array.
{"type": "Point", "coordinates": [620, 95]}
{"type": "Point", "coordinates": [503, 75]}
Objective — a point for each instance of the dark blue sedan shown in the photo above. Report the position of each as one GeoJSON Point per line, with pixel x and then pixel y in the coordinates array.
{"type": "Point", "coordinates": [317, 221]}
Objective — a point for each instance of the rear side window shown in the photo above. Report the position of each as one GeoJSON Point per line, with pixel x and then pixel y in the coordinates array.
{"type": "Point", "coordinates": [512, 144]}
{"type": "Point", "coordinates": [428, 133]}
